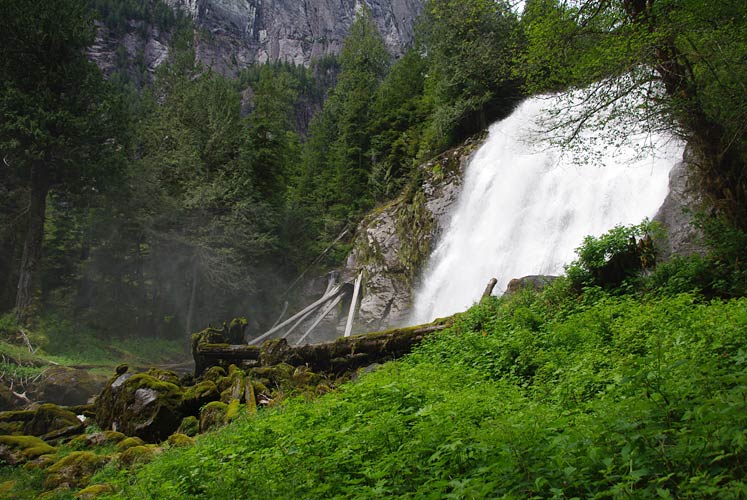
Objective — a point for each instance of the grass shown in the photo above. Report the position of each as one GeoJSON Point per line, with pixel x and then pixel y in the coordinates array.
{"type": "Point", "coordinates": [534, 396]}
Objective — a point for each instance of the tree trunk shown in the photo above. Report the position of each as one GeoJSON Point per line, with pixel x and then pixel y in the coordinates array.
{"type": "Point", "coordinates": [32, 247]}
{"type": "Point", "coordinates": [192, 297]}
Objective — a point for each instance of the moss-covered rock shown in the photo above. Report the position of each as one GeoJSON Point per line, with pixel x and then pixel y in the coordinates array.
{"type": "Point", "coordinates": [212, 415]}
{"type": "Point", "coordinates": [73, 470]}
{"type": "Point", "coordinates": [178, 440]}
{"type": "Point", "coordinates": [67, 386]}
{"type": "Point", "coordinates": [232, 410]}
{"type": "Point", "coordinates": [141, 405]}
{"type": "Point", "coordinates": [94, 491]}
{"type": "Point", "coordinates": [190, 426]}
{"type": "Point", "coordinates": [214, 373]}
{"type": "Point", "coordinates": [139, 455]}
{"type": "Point", "coordinates": [20, 449]}
{"type": "Point", "coordinates": [52, 422]}
{"type": "Point", "coordinates": [41, 462]}
{"type": "Point", "coordinates": [97, 439]}
{"type": "Point", "coordinates": [11, 428]}
{"type": "Point", "coordinates": [198, 395]}
{"type": "Point", "coordinates": [129, 442]}
{"type": "Point", "coordinates": [164, 375]}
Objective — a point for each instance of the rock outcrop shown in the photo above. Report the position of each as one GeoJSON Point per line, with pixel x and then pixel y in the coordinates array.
{"type": "Point", "coordinates": [392, 243]}
{"type": "Point", "coordinates": [675, 214]}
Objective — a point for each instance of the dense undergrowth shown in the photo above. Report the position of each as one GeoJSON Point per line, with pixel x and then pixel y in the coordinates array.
{"type": "Point", "coordinates": [540, 395]}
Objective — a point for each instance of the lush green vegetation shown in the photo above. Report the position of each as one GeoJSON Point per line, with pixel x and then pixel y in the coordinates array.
{"type": "Point", "coordinates": [546, 394]}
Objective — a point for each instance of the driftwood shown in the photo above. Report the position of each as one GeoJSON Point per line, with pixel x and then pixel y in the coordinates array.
{"type": "Point", "coordinates": [335, 358]}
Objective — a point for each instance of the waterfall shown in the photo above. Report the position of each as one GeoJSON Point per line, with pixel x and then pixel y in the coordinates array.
{"type": "Point", "coordinates": [526, 203]}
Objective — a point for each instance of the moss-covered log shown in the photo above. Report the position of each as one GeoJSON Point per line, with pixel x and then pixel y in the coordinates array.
{"type": "Point", "coordinates": [337, 357]}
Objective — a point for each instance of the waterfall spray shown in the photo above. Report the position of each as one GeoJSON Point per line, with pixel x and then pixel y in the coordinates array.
{"type": "Point", "coordinates": [527, 203]}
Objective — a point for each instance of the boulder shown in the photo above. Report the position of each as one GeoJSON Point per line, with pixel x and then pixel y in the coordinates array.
{"type": "Point", "coordinates": [213, 415]}
{"type": "Point", "coordinates": [51, 422]}
{"type": "Point", "coordinates": [16, 450]}
{"type": "Point", "coordinates": [67, 386]}
{"type": "Point", "coordinates": [73, 470]}
{"type": "Point", "coordinates": [533, 282]}
{"type": "Point", "coordinates": [141, 405]}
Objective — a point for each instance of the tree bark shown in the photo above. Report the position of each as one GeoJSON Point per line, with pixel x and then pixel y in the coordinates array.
{"type": "Point", "coordinates": [32, 247]}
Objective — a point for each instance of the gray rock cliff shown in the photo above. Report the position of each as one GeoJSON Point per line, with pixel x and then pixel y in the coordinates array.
{"type": "Point", "coordinates": [393, 242]}
{"type": "Point", "coordinates": [232, 34]}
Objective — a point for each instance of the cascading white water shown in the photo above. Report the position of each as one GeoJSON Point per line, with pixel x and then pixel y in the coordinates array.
{"type": "Point", "coordinates": [526, 205]}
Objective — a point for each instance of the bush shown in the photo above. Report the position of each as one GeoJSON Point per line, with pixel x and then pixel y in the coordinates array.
{"type": "Point", "coordinates": [609, 260]}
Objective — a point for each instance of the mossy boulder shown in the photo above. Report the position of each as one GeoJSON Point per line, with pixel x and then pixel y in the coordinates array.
{"type": "Point", "coordinates": [212, 415]}
{"type": "Point", "coordinates": [20, 449]}
{"type": "Point", "coordinates": [190, 426]}
{"type": "Point", "coordinates": [67, 386]}
{"type": "Point", "coordinates": [164, 375]}
{"type": "Point", "coordinates": [139, 455]}
{"type": "Point", "coordinates": [178, 440]}
{"type": "Point", "coordinates": [102, 438]}
{"type": "Point", "coordinates": [51, 422]}
{"type": "Point", "coordinates": [73, 470]}
{"type": "Point", "coordinates": [141, 405]}
{"type": "Point", "coordinates": [129, 442]}
{"type": "Point", "coordinates": [41, 462]}
{"type": "Point", "coordinates": [94, 491]}
{"type": "Point", "coordinates": [200, 394]}
{"type": "Point", "coordinates": [214, 373]}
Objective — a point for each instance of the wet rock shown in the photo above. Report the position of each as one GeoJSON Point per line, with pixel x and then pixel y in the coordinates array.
{"type": "Point", "coordinates": [393, 242]}
{"type": "Point", "coordinates": [67, 386]}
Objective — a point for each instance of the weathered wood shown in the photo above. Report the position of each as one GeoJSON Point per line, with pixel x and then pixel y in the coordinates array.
{"type": "Point", "coordinates": [299, 314]}
{"type": "Point", "coordinates": [343, 355]}
{"type": "Point", "coordinates": [353, 304]}
{"type": "Point", "coordinates": [489, 288]}
{"type": "Point", "coordinates": [319, 319]}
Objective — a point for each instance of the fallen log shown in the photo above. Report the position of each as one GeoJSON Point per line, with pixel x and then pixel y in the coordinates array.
{"type": "Point", "coordinates": [343, 355]}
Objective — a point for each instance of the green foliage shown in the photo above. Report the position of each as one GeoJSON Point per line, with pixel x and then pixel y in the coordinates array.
{"type": "Point", "coordinates": [529, 396]}
{"type": "Point", "coordinates": [608, 260]}
{"type": "Point", "coordinates": [719, 273]}
{"type": "Point", "coordinates": [470, 46]}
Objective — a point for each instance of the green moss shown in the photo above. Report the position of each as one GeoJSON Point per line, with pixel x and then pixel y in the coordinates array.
{"type": "Point", "coordinates": [212, 415]}
{"type": "Point", "coordinates": [147, 381]}
{"type": "Point", "coordinates": [49, 418]}
{"type": "Point", "coordinates": [21, 449]}
{"type": "Point", "coordinates": [232, 410]}
{"type": "Point", "coordinates": [129, 443]}
{"type": "Point", "coordinates": [164, 375]}
{"type": "Point", "coordinates": [74, 469]}
{"type": "Point", "coordinates": [94, 491]}
{"type": "Point", "coordinates": [190, 426]}
{"type": "Point", "coordinates": [201, 393]}
{"type": "Point", "coordinates": [11, 428]}
{"type": "Point", "coordinates": [17, 416]}
{"type": "Point", "coordinates": [138, 455]}
{"type": "Point", "coordinates": [214, 373]}
{"type": "Point", "coordinates": [178, 440]}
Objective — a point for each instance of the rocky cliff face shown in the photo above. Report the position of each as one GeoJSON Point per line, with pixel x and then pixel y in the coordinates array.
{"type": "Point", "coordinates": [392, 243]}
{"type": "Point", "coordinates": [232, 34]}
